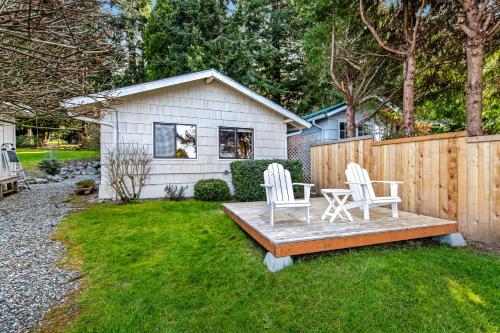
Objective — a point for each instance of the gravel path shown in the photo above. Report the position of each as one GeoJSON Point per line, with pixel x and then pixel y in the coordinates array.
{"type": "Point", "coordinates": [30, 282]}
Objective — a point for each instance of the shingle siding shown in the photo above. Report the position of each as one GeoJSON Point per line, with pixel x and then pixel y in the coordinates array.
{"type": "Point", "coordinates": [7, 135]}
{"type": "Point", "coordinates": [208, 106]}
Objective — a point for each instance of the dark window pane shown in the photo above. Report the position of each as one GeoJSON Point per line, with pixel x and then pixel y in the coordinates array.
{"type": "Point", "coordinates": [227, 143]}
{"type": "Point", "coordinates": [164, 140]}
{"type": "Point", "coordinates": [186, 141]}
{"type": "Point", "coordinates": [245, 143]}
{"type": "Point", "coordinates": [342, 130]}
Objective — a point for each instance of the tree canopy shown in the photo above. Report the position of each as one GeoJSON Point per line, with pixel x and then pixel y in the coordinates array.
{"type": "Point", "coordinates": [281, 49]}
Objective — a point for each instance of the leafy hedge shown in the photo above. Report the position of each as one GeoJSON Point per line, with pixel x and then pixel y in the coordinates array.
{"type": "Point", "coordinates": [211, 190]}
{"type": "Point", "coordinates": [248, 175]}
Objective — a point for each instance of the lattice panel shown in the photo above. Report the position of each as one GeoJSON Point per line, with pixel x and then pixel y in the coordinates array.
{"type": "Point", "coordinates": [299, 148]}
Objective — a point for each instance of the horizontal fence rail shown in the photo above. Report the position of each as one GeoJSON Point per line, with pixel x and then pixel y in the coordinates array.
{"type": "Point", "coordinates": [446, 175]}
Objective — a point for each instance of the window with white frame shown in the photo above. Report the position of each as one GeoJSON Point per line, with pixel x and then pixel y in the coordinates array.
{"type": "Point", "coordinates": [174, 141]}
{"type": "Point", "coordinates": [235, 143]}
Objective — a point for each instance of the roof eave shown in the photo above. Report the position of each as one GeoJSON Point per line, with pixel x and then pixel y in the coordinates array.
{"type": "Point", "coordinates": [153, 85]}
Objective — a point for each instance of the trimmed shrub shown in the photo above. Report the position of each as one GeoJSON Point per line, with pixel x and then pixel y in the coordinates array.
{"type": "Point", "coordinates": [248, 175]}
{"type": "Point", "coordinates": [211, 190]}
{"type": "Point", "coordinates": [50, 167]}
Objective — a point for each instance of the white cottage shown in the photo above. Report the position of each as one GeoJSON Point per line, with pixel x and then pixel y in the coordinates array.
{"type": "Point", "coordinates": [7, 135]}
{"type": "Point", "coordinates": [194, 125]}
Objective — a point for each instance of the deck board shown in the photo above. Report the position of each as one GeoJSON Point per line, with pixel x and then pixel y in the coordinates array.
{"type": "Point", "coordinates": [291, 235]}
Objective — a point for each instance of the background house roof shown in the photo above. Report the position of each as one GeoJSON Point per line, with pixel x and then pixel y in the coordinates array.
{"type": "Point", "coordinates": [171, 81]}
{"type": "Point", "coordinates": [326, 112]}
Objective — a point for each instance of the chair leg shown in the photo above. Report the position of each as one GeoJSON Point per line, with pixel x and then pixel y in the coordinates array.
{"type": "Point", "coordinates": [272, 214]}
{"type": "Point", "coordinates": [265, 210]}
{"type": "Point", "coordinates": [395, 210]}
{"type": "Point", "coordinates": [307, 215]}
{"type": "Point", "coordinates": [366, 212]}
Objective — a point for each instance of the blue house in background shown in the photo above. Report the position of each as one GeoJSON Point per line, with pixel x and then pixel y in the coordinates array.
{"type": "Point", "coordinates": [327, 124]}
{"type": "Point", "coordinates": [330, 124]}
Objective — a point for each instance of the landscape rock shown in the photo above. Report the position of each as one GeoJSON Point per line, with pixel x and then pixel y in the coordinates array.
{"type": "Point", "coordinates": [90, 170]}
{"type": "Point", "coordinates": [41, 180]}
{"type": "Point", "coordinates": [71, 169]}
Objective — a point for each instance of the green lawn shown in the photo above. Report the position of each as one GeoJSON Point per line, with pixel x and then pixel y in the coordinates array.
{"type": "Point", "coordinates": [30, 157]}
{"type": "Point", "coordinates": [186, 267]}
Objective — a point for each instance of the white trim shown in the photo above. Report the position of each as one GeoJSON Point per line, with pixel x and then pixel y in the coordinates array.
{"type": "Point", "coordinates": [148, 86]}
{"type": "Point", "coordinates": [95, 121]}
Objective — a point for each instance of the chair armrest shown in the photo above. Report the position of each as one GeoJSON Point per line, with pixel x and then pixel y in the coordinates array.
{"type": "Point", "coordinates": [386, 181]}
{"type": "Point", "coordinates": [353, 183]}
{"type": "Point", "coordinates": [307, 189]}
{"type": "Point", "coordinates": [303, 184]}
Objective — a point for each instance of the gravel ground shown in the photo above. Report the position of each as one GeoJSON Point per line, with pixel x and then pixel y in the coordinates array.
{"type": "Point", "coordinates": [30, 282]}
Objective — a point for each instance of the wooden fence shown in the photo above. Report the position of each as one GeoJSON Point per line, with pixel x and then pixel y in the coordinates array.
{"type": "Point", "coordinates": [446, 175]}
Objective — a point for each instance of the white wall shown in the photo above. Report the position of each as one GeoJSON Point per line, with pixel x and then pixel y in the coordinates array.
{"type": "Point", "coordinates": [207, 106]}
{"type": "Point", "coordinates": [7, 135]}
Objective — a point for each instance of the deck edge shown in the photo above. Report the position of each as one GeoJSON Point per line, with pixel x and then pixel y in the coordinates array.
{"type": "Point", "coordinates": [252, 232]}
{"type": "Point", "coordinates": [329, 244]}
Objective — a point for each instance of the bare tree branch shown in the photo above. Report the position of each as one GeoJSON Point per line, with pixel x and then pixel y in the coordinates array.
{"type": "Point", "coordinates": [377, 37]}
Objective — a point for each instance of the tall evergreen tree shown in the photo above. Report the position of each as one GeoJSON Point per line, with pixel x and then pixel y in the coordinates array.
{"type": "Point", "coordinates": [191, 35]}
{"type": "Point", "coordinates": [279, 60]}
{"type": "Point", "coordinates": [129, 23]}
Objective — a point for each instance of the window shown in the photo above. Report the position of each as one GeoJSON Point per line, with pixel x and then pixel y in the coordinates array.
{"type": "Point", "coordinates": [235, 143]}
{"type": "Point", "coordinates": [362, 130]}
{"type": "Point", "coordinates": [342, 130]}
{"type": "Point", "coordinates": [174, 141]}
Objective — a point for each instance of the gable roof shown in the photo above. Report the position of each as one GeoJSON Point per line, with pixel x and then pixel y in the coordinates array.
{"type": "Point", "coordinates": [326, 112]}
{"type": "Point", "coordinates": [175, 80]}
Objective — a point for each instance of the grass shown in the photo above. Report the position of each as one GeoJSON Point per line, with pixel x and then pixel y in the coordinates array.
{"type": "Point", "coordinates": [186, 267]}
{"type": "Point", "coordinates": [30, 157]}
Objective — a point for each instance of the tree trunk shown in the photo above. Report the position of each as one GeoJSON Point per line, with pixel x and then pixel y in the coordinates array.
{"type": "Point", "coordinates": [408, 95]}
{"type": "Point", "coordinates": [475, 54]}
{"type": "Point", "coordinates": [351, 120]}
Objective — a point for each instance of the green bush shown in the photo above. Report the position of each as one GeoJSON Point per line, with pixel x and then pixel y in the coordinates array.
{"type": "Point", "coordinates": [86, 183]}
{"type": "Point", "coordinates": [27, 141]}
{"type": "Point", "coordinates": [248, 175]}
{"type": "Point", "coordinates": [50, 167]}
{"type": "Point", "coordinates": [211, 190]}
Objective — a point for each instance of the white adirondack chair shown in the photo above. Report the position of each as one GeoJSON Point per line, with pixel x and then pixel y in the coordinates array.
{"type": "Point", "coordinates": [362, 191]}
{"type": "Point", "coordinates": [279, 191]}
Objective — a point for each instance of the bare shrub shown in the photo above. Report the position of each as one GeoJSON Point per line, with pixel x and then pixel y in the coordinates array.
{"type": "Point", "coordinates": [128, 168]}
{"type": "Point", "coordinates": [174, 192]}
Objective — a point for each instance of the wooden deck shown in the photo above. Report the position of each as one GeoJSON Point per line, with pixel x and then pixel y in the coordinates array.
{"type": "Point", "coordinates": [290, 235]}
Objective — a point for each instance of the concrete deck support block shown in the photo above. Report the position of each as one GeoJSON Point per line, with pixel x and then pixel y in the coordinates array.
{"type": "Point", "coordinates": [454, 239]}
{"type": "Point", "coordinates": [277, 264]}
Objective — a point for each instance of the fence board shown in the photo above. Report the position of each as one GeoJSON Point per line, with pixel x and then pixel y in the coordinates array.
{"type": "Point", "coordinates": [495, 192]}
{"type": "Point", "coordinates": [447, 175]}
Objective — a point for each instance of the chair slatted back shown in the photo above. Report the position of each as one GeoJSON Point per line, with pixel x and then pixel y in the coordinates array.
{"type": "Point", "coordinates": [281, 182]}
{"type": "Point", "coordinates": [356, 174]}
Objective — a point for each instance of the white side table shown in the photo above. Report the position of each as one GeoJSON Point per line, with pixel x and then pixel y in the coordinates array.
{"type": "Point", "coordinates": [336, 199]}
